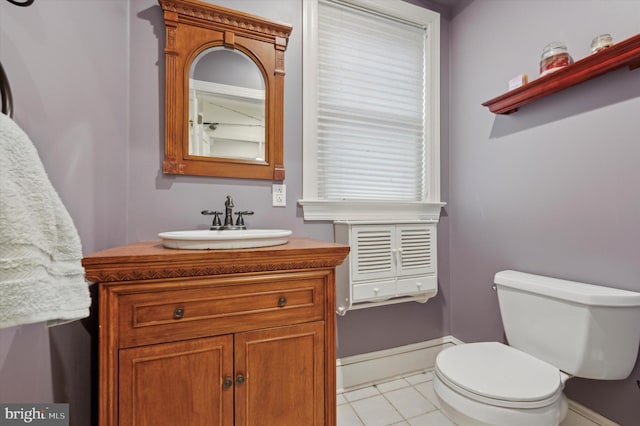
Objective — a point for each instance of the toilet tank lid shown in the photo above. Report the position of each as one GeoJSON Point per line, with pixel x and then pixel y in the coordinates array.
{"type": "Point", "coordinates": [587, 294]}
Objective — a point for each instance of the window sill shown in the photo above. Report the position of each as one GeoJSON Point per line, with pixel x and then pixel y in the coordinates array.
{"type": "Point", "coordinates": [396, 211]}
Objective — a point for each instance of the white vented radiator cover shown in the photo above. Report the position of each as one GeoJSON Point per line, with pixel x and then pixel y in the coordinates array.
{"type": "Point", "coordinates": [388, 263]}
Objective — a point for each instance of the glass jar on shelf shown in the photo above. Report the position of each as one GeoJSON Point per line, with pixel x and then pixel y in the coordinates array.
{"type": "Point", "coordinates": [601, 42]}
{"type": "Point", "coordinates": [554, 56]}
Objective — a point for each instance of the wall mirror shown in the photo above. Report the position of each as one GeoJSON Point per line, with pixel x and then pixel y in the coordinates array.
{"type": "Point", "coordinates": [226, 106]}
{"type": "Point", "coordinates": [224, 92]}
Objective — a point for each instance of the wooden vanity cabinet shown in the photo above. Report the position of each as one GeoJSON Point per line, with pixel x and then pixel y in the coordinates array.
{"type": "Point", "coordinates": [220, 337]}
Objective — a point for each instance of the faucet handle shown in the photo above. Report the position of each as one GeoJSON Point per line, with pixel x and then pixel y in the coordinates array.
{"type": "Point", "coordinates": [240, 220]}
{"type": "Point", "coordinates": [216, 224]}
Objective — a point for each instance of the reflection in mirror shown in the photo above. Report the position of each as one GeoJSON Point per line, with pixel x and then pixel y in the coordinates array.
{"type": "Point", "coordinates": [226, 106]}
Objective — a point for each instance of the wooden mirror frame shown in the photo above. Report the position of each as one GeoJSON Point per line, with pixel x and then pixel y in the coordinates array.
{"type": "Point", "coordinates": [192, 27]}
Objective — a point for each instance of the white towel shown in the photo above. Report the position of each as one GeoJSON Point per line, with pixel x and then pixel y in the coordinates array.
{"type": "Point", "coordinates": [41, 277]}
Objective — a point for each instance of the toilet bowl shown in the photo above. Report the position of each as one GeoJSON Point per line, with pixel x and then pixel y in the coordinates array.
{"type": "Point", "coordinates": [490, 383]}
{"type": "Point", "coordinates": [556, 329]}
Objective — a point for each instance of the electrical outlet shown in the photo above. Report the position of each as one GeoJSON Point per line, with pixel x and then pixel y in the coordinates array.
{"type": "Point", "coordinates": [279, 192]}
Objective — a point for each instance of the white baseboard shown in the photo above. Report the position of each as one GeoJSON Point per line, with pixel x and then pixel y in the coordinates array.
{"type": "Point", "coordinates": [363, 370]}
{"type": "Point", "coordinates": [579, 415]}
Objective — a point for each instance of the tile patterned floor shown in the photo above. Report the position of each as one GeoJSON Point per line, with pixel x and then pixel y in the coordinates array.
{"type": "Point", "coordinates": [400, 402]}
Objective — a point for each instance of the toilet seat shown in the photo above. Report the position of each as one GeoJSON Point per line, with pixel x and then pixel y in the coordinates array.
{"type": "Point", "coordinates": [496, 374]}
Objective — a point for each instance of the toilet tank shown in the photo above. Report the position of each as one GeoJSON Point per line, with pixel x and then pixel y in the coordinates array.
{"type": "Point", "coordinates": [584, 330]}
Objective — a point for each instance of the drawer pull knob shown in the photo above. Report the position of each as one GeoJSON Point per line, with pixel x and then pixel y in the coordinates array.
{"type": "Point", "coordinates": [282, 301]}
{"type": "Point", "coordinates": [239, 379]}
{"type": "Point", "coordinates": [227, 383]}
{"type": "Point", "coordinates": [178, 313]}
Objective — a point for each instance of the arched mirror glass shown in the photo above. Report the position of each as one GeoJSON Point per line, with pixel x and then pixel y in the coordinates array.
{"type": "Point", "coordinates": [226, 106]}
{"type": "Point", "coordinates": [224, 92]}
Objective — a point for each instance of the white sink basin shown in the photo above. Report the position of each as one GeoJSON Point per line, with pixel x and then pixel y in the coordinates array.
{"type": "Point", "coordinates": [225, 239]}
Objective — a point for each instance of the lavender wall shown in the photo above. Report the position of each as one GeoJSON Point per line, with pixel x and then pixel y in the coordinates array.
{"type": "Point", "coordinates": [67, 63]}
{"type": "Point", "coordinates": [552, 189]}
{"type": "Point", "coordinates": [88, 83]}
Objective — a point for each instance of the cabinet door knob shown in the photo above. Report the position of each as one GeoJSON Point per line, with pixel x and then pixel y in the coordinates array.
{"type": "Point", "coordinates": [178, 313]}
{"type": "Point", "coordinates": [239, 379]}
{"type": "Point", "coordinates": [282, 301]}
{"type": "Point", "coordinates": [227, 383]}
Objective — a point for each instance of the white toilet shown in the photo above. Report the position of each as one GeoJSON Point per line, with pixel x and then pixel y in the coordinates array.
{"type": "Point", "coordinates": [556, 329]}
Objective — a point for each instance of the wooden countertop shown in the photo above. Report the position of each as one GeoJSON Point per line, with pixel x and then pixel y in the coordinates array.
{"type": "Point", "coordinates": [151, 260]}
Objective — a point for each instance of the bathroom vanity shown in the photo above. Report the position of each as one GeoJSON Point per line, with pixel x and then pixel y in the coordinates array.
{"type": "Point", "coordinates": [217, 337]}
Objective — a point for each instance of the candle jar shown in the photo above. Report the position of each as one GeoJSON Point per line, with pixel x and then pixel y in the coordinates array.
{"type": "Point", "coordinates": [554, 56]}
{"type": "Point", "coordinates": [601, 42]}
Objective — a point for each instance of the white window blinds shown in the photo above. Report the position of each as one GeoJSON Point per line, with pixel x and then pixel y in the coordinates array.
{"type": "Point", "coordinates": [371, 114]}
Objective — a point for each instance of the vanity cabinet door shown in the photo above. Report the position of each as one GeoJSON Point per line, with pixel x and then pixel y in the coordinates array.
{"type": "Point", "coordinates": [177, 384]}
{"type": "Point", "coordinates": [280, 376]}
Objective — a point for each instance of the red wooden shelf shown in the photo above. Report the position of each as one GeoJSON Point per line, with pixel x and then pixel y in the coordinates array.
{"type": "Point", "coordinates": [624, 53]}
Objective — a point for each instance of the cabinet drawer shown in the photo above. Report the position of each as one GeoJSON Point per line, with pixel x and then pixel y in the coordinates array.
{"type": "Point", "coordinates": [172, 314]}
{"type": "Point", "coordinates": [417, 285]}
{"type": "Point", "coordinates": [375, 290]}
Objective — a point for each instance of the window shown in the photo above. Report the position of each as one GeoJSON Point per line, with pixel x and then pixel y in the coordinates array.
{"type": "Point", "coordinates": [371, 111]}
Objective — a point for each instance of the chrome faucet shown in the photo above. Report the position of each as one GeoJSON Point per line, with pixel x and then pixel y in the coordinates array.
{"type": "Point", "coordinates": [228, 217]}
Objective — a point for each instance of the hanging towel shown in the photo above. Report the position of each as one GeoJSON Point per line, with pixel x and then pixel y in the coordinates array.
{"type": "Point", "coordinates": [41, 277]}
